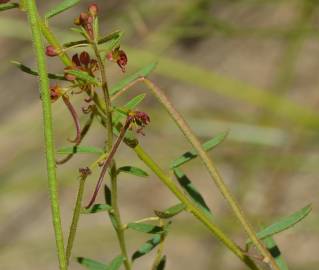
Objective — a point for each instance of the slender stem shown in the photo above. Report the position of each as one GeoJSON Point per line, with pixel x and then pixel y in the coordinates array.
{"type": "Point", "coordinates": [77, 209]}
{"type": "Point", "coordinates": [50, 37]}
{"type": "Point", "coordinates": [75, 118]}
{"type": "Point", "coordinates": [48, 130]}
{"type": "Point", "coordinates": [116, 214]}
{"type": "Point", "coordinates": [192, 208]}
{"type": "Point", "coordinates": [75, 218]}
{"type": "Point", "coordinates": [160, 249]}
{"type": "Point", "coordinates": [113, 171]}
{"type": "Point", "coordinates": [181, 123]}
{"type": "Point", "coordinates": [108, 162]}
{"type": "Point", "coordinates": [106, 97]}
{"type": "Point", "coordinates": [84, 131]}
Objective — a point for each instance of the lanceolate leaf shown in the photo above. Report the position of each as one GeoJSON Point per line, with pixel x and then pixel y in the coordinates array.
{"type": "Point", "coordinates": [8, 6]}
{"type": "Point", "coordinates": [83, 76]}
{"type": "Point", "coordinates": [133, 103]}
{"type": "Point", "coordinates": [91, 264]}
{"type": "Point", "coordinates": [113, 36]}
{"type": "Point", "coordinates": [191, 190]}
{"type": "Point", "coordinates": [284, 223]}
{"type": "Point", "coordinates": [116, 263]}
{"type": "Point", "coordinates": [210, 144]}
{"type": "Point", "coordinates": [110, 42]}
{"type": "Point", "coordinates": [129, 79]}
{"type": "Point", "coordinates": [132, 170]}
{"type": "Point", "coordinates": [31, 71]}
{"type": "Point", "coordinates": [80, 149]}
{"type": "Point", "coordinates": [145, 228]}
{"type": "Point", "coordinates": [96, 208]}
{"type": "Point", "coordinates": [147, 247]}
{"type": "Point", "coordinates": [62, 6]}
{"type": "Point", "coordinates": [275, 252]}
{"type": "Point", "coordinates": [171, 212]}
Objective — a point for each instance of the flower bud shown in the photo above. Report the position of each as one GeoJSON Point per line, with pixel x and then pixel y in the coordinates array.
{"type": "Point", "coordinates": [122, 60]}
{"type": "Point", "coordinates": [85, 58]}
{"type": "Point", "coordinates": [93, 9]}
{"type": "Point", "coordinates": [76, 60]}
{"type": "Point", "coordinates": [51, 51]}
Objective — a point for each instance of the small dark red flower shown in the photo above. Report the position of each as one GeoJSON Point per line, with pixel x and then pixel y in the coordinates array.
{"type": "Point", "coordinates": [118, 56]}
{"type": "Point", "coordinates": [138, 120]}
{"type": "Point", "coordinates": [83, 63]}
{"type": "Point", "coordinates": [55, 92]}
{"type": "Point", "coordinates": [51, 51]}
{"type": "Point", "coordinates": [85, 58]}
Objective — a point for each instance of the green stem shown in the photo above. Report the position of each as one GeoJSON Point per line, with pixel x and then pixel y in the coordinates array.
{"type": "Point", "coordinates": [48, 130]}
{"type": "Point", "coordinates": [106, 97]}
{"type": "Point", "coordinates": [202, 217]}
{"type": "Point", "coordinates": [188, 133]}
{"type": "Point", "coordinates": [159, 253]}
{"type": "Point", "coordinates": [113, 171]}
{"type": "Point", "coordinates": [75, 218]}
{"type": "Point", "coordinates": [119, 228]}
{"type": "Point", "coordinates": [77, 209]}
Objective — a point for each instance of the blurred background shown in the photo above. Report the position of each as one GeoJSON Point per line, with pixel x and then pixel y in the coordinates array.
{"type": "Point", "coordinates": [247, 66]}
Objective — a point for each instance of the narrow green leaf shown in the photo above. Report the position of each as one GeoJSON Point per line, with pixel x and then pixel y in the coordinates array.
{"type": "Point", "coordinates": [284, 223]}
{"type": "Point", "coordinates": [133, 103]}
{"type": "Point", "coordinates": [147, 247]}
{"type": "Point", "coordinates": [108, 200]}
{"type": "Point", "coordinates": [132, 170]}
{"type": "Point", "coordinates": [188, 186]}
{"type": "Point", "coordinates": [210, 144]}
{"type": "Point", "coordinates": [96, 208]}
{"type": "Point", "coordinates": [115, 35]}
{"type": "Point", "coordinates": [131, 78]}
{"type": "Point", "coordinates": [83, 76]}
{"type": "Point", "coordinates": [116, 263]}
{"type": "Point", "coordinates": [80, 149]}
{"type": "Point", "coordinates": [59, 8]}
{"type": "Point", "coordinates": [275, 252]}
{"type": "Point", "coordinates": [31, 71]}
{"type": "Point", "coordinates": [76, 43]}
{"type": "Point", "coordinates": [162, 263]}
{"type": "Point", "coordinates": [171, 211]}
{"type": "Point", "coordinates": [7, 6]}
{"type": "Point", "coordinates": [91, 264]}
{"type": "Point", "coordinates": [145, 228]}
{"type": "Point", "coordinates": [107, 195]}
{"type": "Point", "coordinates": [109, 43]}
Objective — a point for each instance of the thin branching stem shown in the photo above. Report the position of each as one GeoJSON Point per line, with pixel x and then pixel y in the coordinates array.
{"type": "Point", "coordinates": [107, 163]}
{"type": "Point", "coordinates": [190, 136]}
{"type": "Point", "coordinates": [192, 208]}
{"type": "Point", "coordinates": [113, 171]}
{"type": "Point", "coordinates": [78, 207]}
{"type": "Point", "coordinates": [84, 131]}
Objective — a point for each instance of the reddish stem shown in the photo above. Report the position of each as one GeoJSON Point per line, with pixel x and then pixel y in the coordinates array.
{"type": "Point", "coordinates": [83, 133]}
{"type": "Point", "coordinates": [76, 120]}
{"type": "Point", "coordinates": [109, 161]}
